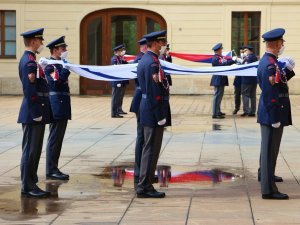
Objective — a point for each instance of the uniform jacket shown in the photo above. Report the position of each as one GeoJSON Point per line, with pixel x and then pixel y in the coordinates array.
{"type": "Point", "coordinates": [137, 96]}
{"type": "Point", "coordinates": [219, 60]}
{"type": "Point", "coordinates": [117, 60]}
{"type": "Point", "coordinates": [35, 101]}
{"type": "Point", "coordinates": [59, 92]}
{"type": "Point", "coordinates": [246, 79]}
{"type": "Point", "coordinates": [168, 59]}
{"type": "Point", "coordinates": [136, 60]}
{"type": "Point", "coordinates": [274, 103]}
{"type": "Point", "coordinates": [154, 105]}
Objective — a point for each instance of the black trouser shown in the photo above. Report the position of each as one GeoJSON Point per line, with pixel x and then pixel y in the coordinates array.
{"type": "Point", "coordinates": [237, 97]}
{"type": "Point", "coordinates": [117, 99]}
{"type": "Point", "coordinates": [270, 144]}
{"type": "Point", "coordinates": [138, 151]}
{"type": "Point", "coordinates": [249, 98]}
{"type": "Point", "coordinates": [152, 143]}
{"type": "Point", "coordinates": [55, 140]}
{"type": "Point", "coordinates": [122, 94]}
{"type": "Point", "coordinates": [32, 144]}
{"type": "Point", "coordinates": [218, 95]}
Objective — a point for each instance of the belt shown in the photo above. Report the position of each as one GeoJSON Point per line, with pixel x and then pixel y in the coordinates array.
{"type": "Point", "coordinates": [165, 98]}
{"type": "Point", "coordinates": [42, 94]}
{"type": "Point", "coordinates": [285, 95]}
{"type": "Point", "coordinates": [59, 93]}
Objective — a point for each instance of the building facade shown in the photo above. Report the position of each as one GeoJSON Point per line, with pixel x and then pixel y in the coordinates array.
{"type": "Point", "coordinates": [93, 27]}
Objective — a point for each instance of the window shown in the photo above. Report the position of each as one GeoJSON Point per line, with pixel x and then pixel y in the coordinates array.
{"type": "Point", "coordinates": [123, 31]}
{"type": "Point", "coordinates": [151, 25]}
{"type": "Point", "coordinates": [245, 30]}
{"type": "Point", "coordinates": [7, 34]}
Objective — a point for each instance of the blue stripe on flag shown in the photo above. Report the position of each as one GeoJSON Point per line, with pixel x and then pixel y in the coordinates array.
{"type": "Point", "coordinates": [102, 74]}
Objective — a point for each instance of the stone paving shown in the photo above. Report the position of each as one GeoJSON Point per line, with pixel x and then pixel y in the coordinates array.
{"type": "Point", "coordinates": [213, 167]}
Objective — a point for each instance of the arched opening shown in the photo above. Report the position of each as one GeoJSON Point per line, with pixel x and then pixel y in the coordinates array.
{"type": "Point", "coordinates": [100, 31]}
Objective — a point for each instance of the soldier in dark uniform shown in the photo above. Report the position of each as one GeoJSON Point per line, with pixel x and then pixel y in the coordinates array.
{"type": "Point", "coordinates": [59, 95]}
{"type": "Point", "coordinates": [34, 113]}
{"type": "Point", "coordinates": [274, 109]}
{"type": "Point", "coordinates": [219, 82]}
{"type": "Point", "coordinates": [154, 112]}
{"type": "Point", "coordinates": [249, 85]}
{"type": "Point", "coordinates": [118, 87]}
{"type": "Point", "coordinates": [135, 106]}
{"type": "Point", "coordinates": [165, 56]}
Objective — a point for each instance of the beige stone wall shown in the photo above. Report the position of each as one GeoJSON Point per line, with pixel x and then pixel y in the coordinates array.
{"type": "Point", "coordinates": [193, 27]}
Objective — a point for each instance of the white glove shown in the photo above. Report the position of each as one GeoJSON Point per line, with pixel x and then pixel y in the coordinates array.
{"type": "Point", "coordinates": [234, 58]}
{"type": "Point", "coordinates": [38, 119]}
{"type": "Point", "coordinates": [276, 125]}
{"type": "Point", "coordinates": [239, 60]}
{"type": "Point", "coordinates": [289, 62]}
{"type": "Point", "coordinates": [43, 62]}
{"type": "Point", "coordinates": [119, 85]}
{"type": "Point", "coordinates": [162, 122]}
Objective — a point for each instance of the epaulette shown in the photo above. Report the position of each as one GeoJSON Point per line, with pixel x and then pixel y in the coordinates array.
{"type": "Point", "coordinates": [271, 60]}
{"type": "Point", "coordinates": [31, 57]}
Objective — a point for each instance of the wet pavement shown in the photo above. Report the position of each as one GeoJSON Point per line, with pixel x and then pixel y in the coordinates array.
{"type": "Point", "coordinates": [207, 167]}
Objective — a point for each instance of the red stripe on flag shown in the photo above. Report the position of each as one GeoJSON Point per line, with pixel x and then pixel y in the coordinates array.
{"type": "Point", "coordinates": [193, 57]}
{"type": "Point", "coordinates": [129, 57]}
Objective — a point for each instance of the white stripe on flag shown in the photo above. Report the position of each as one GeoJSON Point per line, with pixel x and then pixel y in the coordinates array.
{"type": "Point", "coordinates": [128, 71]}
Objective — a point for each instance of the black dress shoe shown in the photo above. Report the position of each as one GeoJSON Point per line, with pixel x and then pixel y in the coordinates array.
{"type": "Point", "coordinates": [276, 179]}
{"type": "Point", "coordinates": [46, 192]}
{"type": "Point", "coordinates": [218, 117]}
{"type": "Point", "coordinates": [122, 112]}
{"type": "Point", "coordinates": [276, 195]}
{"type": "Point", "coordinates": [57, 176]}
{"type": "Point", "coordinates": [235, 111]}
{"type": "Point", "coordinates": [244, 114]}
{"type": "Point", "coordinates": [35, 193]}
{"type": "Point", "coordinates": [222, 114]}
{"type": "Point", "coordinates": [251, 115]}
{"type": "Point", "coordinates": [64, 174]}
{"type": "Point", "coordinates": [116, 116]}
{"type": "Point", "coordinates": [150, 194]}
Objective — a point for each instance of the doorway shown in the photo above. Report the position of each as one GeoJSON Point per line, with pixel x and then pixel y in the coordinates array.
{"type": "Point", "coordinates": [102, 30]}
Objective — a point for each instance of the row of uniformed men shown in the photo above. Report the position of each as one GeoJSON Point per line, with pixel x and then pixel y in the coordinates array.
{"type": "Point", "coordinates": [274, 109]}
{"type": "Point", "coordinates": [151, 105]}
{"type": "Point", "coordinates": [154, 114]}
{"type": "Point", "coordinates": [46, 100]}
{"type": "Point", "coordinates": [219, 82]}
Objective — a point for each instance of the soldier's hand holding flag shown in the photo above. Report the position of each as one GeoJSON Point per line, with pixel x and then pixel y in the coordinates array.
{"type": "Point", "coordinates": [289, 62]}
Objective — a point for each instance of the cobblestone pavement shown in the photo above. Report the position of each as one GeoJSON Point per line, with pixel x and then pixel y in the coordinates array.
{"type": "Point", "coordinates": [212, 163]}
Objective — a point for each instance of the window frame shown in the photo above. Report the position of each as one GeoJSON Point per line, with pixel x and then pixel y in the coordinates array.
{"type": "Point", "coordinates": [245, 17]}
{"type": "Point", "coordinates": [3, 41]}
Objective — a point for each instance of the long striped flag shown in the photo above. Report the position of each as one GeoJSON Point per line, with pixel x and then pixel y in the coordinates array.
{"type": "Point", "coordinates": [128, 71]}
